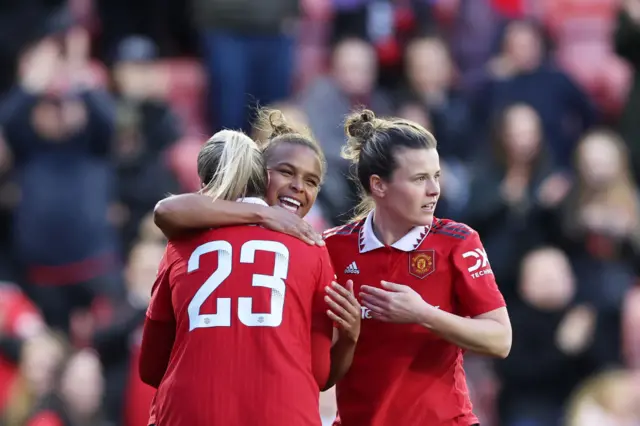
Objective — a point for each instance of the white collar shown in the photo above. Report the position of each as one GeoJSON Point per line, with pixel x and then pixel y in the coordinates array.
{"type": "Point", "coordinates": [410, 242]}
{"type": "Point", "coordinates": [253, 200]}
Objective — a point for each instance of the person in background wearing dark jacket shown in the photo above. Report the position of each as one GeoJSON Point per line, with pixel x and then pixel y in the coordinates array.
{"type": "Point", "coordinates": [627, 45]}
{"type": "Point", "coordinates": [118, 344]}
{"type": "Point", "coordinates": [75, 400]}
{"type": "Point", "coordinates": [248, 48]}
{"type": "Point", "coordinates": [59, 129]}
{"type": "Point", "coordinates": [555, 337]}
{"type": "Point", "coordinates": [146, 127]}
{"type": "Point", "coordinates": [520, 73]}
{"type": "Point", "coordinates": [509, 189]}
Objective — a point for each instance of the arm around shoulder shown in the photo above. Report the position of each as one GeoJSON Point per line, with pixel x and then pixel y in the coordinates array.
{"type": "Point", "coordinates": [180, 214]}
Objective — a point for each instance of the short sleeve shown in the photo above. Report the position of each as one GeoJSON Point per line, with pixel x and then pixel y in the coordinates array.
{"type": "Point", "coordinates": [321, 324]}
{"type": "Point", "coordinates": [474, 284]}
{"type": "Point", "coordinates": [160, 307]}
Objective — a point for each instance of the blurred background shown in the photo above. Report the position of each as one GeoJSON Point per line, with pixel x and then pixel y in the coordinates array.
{"type": "Point", "coordinates": [535, 105]}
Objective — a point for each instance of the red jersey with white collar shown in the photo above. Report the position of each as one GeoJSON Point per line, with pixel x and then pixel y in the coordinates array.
{"type": "Point", "coordinates": [403, 374]}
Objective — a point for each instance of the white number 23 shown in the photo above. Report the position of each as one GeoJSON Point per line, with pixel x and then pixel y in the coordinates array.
{"type": "Point", "coordinates": [222, 317]}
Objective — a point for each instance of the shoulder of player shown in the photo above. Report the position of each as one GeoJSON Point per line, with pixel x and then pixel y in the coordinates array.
{"type": "Point", "coordinates": [351, 228]}
{"type": "Point", "coordinates": [452, 231]}
{"type": "Point", "coordinates": [178, 248]}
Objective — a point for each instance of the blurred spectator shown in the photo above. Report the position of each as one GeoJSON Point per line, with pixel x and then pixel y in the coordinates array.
{"type": "Point", "coordinates": [414, 110]}
{"type": "Point", "coordinates": [21, 23]}
{"type": "Point", "coordinates": [9, 194]}
{"type": "Point", "coordinates": [118, 343]}
{"type": "Point", "coordinates": [545, 362]}
{"type": "Point", "coordinates": [19, 320]}
{"type": "Point", "coordinates": [583, 29]}
{"type": "Point", "coordinates": [76, 398]}
{"type": "Point", "coordinates": [627, 44]}
{"type": "Point", "coordinates": [598, 224]}
{"type": "Point", "coordinates": [505, 196]}
{"type": "Point", "coordinates": [326, 102]}
{"type": "Point", "coordinates": [145, 128]}
{"type": "Point", "coordinates": [631, 325]}
{"type": "Point", "coordinates": [431, 77]}
{"type": "Point", "coordinates": [601, 215]}
{"type": "Point", "coordinates": [166, 22]}
{"type": "Point", "coordinates": [59, 130]}
{"type": "Point", "coordinates": [41, 360]}
{"type": "Point", "coordinates": [608, 399]}
{"type": "Point", "coordinates": [248, 48]}
{"type": "Point", "coordinates": [520, 74]}
{"type": "Point", "coordinates": [473, 39]}
{"type": "Point", "coordinates": [388, 25]}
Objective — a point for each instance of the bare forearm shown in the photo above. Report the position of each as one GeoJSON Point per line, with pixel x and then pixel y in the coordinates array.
{"type": "Point", "coordinates": [184, 213]}
{"type": "Point", "coordinates": [341, 357]}
{"type": "Point", "coordinates": [480, 335]}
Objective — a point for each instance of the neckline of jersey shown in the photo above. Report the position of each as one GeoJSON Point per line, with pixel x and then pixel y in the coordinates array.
{"type": "Point", "coordinates": [409, 242]}
{"type": "Point", "coordinates": [253, 200]}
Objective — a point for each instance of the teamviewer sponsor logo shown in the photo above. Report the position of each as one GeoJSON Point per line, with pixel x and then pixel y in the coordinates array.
{"type": "Point", "coordinates": [481, 265]}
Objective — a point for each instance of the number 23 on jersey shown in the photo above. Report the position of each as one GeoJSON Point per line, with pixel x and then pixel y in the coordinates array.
{"type": "Point", "coordinates": [222, 317]}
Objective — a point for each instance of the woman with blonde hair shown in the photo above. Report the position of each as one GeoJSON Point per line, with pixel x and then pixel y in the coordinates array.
{"type": "Point", "coordinates": [598, 222]}
{"type": "Point", "coordinates": [610, 398]}
{"type": "Point", "coordinates": [605, 188]}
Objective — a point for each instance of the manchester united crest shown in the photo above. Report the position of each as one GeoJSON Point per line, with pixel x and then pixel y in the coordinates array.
{"type": "Point", "coordinates": [422, 263]}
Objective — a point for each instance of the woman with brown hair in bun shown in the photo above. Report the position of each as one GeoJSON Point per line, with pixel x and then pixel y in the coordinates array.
{"type": "Point", "coordinates": [425, 284]}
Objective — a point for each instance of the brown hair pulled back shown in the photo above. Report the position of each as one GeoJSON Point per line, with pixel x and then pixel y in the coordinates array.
{"type": "Point", "coordinates": [371, 145]}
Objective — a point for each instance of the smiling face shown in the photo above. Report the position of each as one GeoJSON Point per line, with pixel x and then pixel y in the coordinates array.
{"type": "Point", "coordinates": [295, 175]}
{"type": "Point", "coordinates": [411, 195]}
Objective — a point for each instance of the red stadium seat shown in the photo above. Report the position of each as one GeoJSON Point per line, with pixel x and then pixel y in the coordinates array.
{"type": "Point", "coordinates": [582, 30]}
{"type": "Point", "coordinates": [186, 91]}
{"type": "Point", "coordinates": [182, 160]}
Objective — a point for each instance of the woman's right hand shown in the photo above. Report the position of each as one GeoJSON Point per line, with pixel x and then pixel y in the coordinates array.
{"type": "Point", "coordinates": [281, 220]}
{"type": "Point", "coordinates": [345, 310]}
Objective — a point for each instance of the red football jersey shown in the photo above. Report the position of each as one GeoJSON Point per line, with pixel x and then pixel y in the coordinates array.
{"type": "Point", "coordinates": [245, 301]}
{"type": "Point", "coordinates": [403, 374]}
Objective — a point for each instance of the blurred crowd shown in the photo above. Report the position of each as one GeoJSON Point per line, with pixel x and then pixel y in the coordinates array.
{"type": "Point", "coordinates": [535, 105]}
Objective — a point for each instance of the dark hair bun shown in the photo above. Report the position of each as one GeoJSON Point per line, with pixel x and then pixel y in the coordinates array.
{"type": "Point", "coordinates": [360, 125]}
{"type": "Point", "coordinates": [360, 128]}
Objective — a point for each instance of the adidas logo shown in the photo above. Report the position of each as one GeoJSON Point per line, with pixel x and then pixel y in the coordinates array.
{"type": "Point", "coordinates": [352, 269]}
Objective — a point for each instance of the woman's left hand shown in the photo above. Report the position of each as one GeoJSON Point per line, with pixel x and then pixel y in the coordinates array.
{"type": "Point", "coordinates": [393, 303]}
